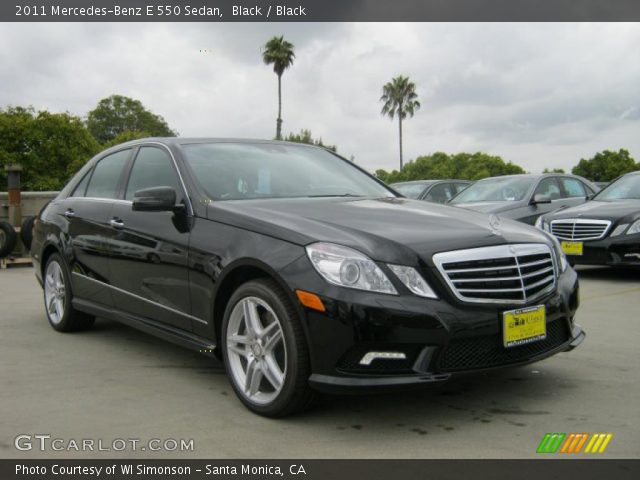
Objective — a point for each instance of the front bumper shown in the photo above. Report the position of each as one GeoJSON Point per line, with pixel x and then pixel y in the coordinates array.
{"type": "Point", "coordinates": [439, 338]}
{"type": "Point", "coordinates": [621, 250]}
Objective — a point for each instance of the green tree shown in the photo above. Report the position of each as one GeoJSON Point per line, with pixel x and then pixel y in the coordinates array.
{"type": "Point", "coordinates": [49, 146]}
{"type": "Point", "coordinates": [606, 166]}
{"type": "Point", "coordinates": [468, 166]}
{"type": "Point", "coordinates": [279, 52]}
{"type": "Point", "coordinates": [305, 136]}
{"type": "Point", "coordinates": [117, 114]}
{"type": "Point", "coordinates": [401, 100]}
{"type": "Point", "coordinates": [553, 170]}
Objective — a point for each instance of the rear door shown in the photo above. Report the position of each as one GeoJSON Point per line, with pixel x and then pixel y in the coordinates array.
{"type": "Point", "coordinates": [148, 251]}
{"type": "Point", "coordinates": [88, 210]}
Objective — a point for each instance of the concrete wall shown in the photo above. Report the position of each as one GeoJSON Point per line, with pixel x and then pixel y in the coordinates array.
{"type": "Point", "coordinates": [32, 202]}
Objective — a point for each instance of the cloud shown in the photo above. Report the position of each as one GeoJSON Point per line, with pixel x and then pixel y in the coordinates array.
{"type": "Point", "coordinates": [541, 95]}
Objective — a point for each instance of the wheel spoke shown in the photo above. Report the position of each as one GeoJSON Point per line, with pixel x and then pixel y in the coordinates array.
{"type": "Point", "coordinates": [266, 331]}
{"type": "Point", "coordinates": [51, 304]}
{"type": "Point", "coordinates": [251, 317]}
{"type": "Point", "coordinates": [241, 339]}
{"type": "Point", "coordinates": [50, 281]}
{"type": "Point", "coordinates": [58, 273]}
{"type": "Point", "coordinates": [273, 341]}
{"type": "Point", "coordinates": [58, 308]}
{"type": "Point", "coordinates": [237, 349]}
{"type": "Point", "coordinates": [272, 372]}
{"type": "Point", "coordinates": [254, 376]}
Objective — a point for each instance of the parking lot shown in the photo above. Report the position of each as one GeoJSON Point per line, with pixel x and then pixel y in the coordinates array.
{"type": "Point", "coordinates": [115, 382]}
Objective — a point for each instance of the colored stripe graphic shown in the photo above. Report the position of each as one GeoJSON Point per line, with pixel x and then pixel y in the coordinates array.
{"type": "Point", "coordinates": [598, 443]}
{"type": "Point", "coordinates": [551, 442]}
{"type": "Point", "coordinates": [574, 443]}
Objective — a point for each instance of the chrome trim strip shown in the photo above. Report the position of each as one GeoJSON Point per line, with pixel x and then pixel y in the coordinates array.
{"type": "Point", "coordinates": [100, 199]}
{"type": "Point", "coordinates": [173, 310]}
{"type": "Point", "coordinates": [498, 252]}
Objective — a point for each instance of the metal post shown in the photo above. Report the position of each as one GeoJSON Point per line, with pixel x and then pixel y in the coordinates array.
{"type": "Point", "coordinates": [13, 192]}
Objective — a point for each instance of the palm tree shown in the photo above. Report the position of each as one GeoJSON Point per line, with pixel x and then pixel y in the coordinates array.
{"type": "Point", "coordinates": [279, 52]}
{"type": "Point", "coordinates": [400, 98]}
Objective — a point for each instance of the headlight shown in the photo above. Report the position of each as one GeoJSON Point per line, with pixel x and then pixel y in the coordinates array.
{"type": "Point", "coordinates": [346, 267]}
{"type": "Point", "coordinates": [542, 224]}
{"type": "Point", "coordinates": [634, 228]}
{"type": "Point", "coordinates": [619, 230]}
{"type": "Point", "coordinates": [560, 256]}
{"type": "Point", "coordinates": [413, 280]}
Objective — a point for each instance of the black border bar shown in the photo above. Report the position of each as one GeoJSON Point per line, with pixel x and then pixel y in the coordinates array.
{"type": "Point", "coordinates": [320, 10]}
{"type": "Point", "coordinates": [542, 469]}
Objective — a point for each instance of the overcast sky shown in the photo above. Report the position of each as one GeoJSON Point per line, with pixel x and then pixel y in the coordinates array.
{"type": "Point", "coordinates": [540, 95]}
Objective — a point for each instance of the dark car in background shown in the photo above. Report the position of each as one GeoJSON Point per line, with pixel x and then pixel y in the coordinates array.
{"type": "Point", "coordinates": [604, 231]}
{"type": "Point", "coordinates": [525, 197]}
{"type": "Point", "coordinates": [437, 191]}
{"type": "Point", "coordinates": [298, 269]}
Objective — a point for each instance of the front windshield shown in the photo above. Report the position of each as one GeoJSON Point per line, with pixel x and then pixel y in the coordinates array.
{"type": "Point", "coordinates": [499, 189]}
{"type": "Point", "coordinates": [624, 188]}
{"type": "Point", "coordinates": [234, 171]}
{"type": "Point", "coordinates": [409, 190]}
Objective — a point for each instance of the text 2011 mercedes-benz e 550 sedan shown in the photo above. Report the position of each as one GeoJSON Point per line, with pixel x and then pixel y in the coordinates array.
{"type": "Point", "coordinates": [299, 269]}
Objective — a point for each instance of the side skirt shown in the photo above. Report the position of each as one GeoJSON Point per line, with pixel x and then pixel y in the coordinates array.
{"type": "Point", "coordinates": [160, 330]}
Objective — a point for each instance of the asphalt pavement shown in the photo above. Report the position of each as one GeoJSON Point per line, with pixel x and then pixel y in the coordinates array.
{"type": "Point", "coordinates": [114, 382]}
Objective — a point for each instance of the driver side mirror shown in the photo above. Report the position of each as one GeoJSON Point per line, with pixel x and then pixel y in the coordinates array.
{"type": "Point", "coordinates": [156, 199]}
{"type": "Point", "coordinates": [539, 198]}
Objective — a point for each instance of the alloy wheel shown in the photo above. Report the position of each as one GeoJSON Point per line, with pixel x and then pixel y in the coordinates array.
{"type": "Point", "coordinates": [54, 292]}
{"type": "Point", "coordinates": [256, 350]}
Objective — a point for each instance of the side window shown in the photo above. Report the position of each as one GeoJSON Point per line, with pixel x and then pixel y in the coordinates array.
{"type": "Point", "coordinates": [573, 187]}
{"type": "Point", "coordinates": [82, 186]}
{"type": "Point", "coordinates": [461, 186]}
{"type": "Point", "coordinates": [440, 193]}
{"type": "Point", "coordinates": [153, 168]}
{"type": "Point", "coordinates": [106, 175]}
{"type": "Point", "coordinates": [549, 187]}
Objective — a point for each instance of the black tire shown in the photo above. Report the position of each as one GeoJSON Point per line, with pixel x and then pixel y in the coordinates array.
{"type": "Point", "coordinates": [26, 232]}
{"type": "Point", "coordinates": [295, 394]}
{"type": "Point", "coordinates": [71, 319]}
{"type": "Point", "coordinates": [8, 239]}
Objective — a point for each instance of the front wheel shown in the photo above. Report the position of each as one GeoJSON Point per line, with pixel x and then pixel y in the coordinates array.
{"type": "Point", "coordinates": [265, 350]}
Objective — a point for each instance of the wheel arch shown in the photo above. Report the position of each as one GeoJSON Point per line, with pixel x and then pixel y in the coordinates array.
{"type": "Point", "coordinates": [238, 273]}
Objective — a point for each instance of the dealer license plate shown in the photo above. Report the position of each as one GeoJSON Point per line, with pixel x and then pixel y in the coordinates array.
{"type": "Point", "coordinates": [572, 248]}
{"type": "Point", "coordinates": [524, 325]}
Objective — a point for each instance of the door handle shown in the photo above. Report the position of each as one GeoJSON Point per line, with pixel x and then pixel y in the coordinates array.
{"type": "Point", "coordinates": [69, 213]}
{"type": "Point", "coordinates": [116, 223]}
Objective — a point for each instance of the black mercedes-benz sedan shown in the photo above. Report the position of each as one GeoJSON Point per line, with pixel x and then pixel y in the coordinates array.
{"type": "Point", "coordinates": [604, 231]}
{"type": "Point", "coordinates": [525, 197]}
{"type": "Point", "coordinates": [298, 269]}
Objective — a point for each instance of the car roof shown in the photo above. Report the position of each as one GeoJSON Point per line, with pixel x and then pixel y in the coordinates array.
{"type": "Point", "coordinates": [431, 181]}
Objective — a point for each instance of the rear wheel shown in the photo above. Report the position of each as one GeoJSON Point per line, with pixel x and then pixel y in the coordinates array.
{"type": "Point", "coordinates": [265, 351]}
{"type": "Point", "coordinates": [57, 298]}
{"type": "Point", "coordinates": [8, 238]}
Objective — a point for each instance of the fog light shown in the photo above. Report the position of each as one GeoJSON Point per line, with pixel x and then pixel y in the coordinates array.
{"type": "Point", "coordinates": [371, 356]}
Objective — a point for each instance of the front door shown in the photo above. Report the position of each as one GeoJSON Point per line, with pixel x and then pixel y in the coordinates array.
{"type": "Point", "coordinates": [148, 251]}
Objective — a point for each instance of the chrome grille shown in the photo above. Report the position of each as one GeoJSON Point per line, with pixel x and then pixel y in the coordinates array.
{"type": "Point", "coordinates": [515, 273]}
{"type": "Point", "coordinates": [579, 229]}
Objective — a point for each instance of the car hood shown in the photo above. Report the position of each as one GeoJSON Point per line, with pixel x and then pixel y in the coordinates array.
{"type": "Point", "coordinates": [386, 229]}
{"type": "Point", "coordinates": [599, 210]}
{"type": "Point", "coordinates": [488, 207]}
